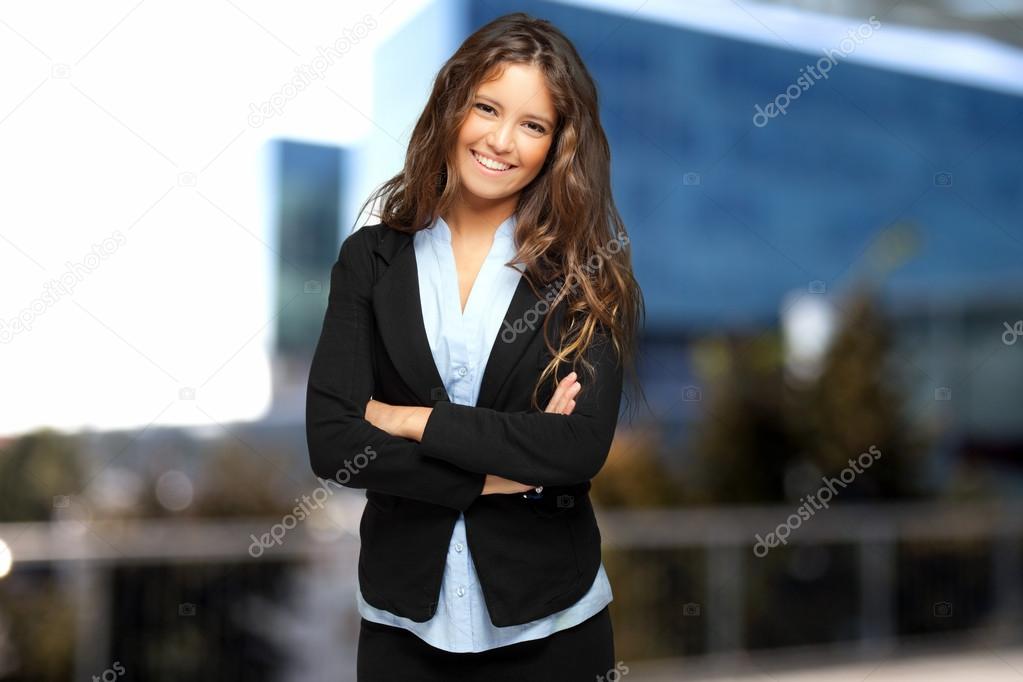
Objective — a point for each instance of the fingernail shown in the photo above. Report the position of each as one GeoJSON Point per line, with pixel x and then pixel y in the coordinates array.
{"type": "Point", "coordinates": [572, 375]}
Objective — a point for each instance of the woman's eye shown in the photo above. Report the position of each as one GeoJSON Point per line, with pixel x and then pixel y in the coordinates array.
{"type": "Point", "coordinates": [490, 110]}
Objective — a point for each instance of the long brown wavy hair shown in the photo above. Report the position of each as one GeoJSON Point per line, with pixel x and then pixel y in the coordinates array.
{"type": "Point", "coordinates": [567, 225]}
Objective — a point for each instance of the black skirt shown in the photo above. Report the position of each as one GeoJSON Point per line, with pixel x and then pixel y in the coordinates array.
{"type": "Point", "coordinates": [577, 654]}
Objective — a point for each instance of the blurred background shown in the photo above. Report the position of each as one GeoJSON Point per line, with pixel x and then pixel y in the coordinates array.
{"type": "Point", "coordinates": [824, 200]}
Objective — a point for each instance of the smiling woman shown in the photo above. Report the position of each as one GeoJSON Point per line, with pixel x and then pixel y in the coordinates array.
{"type": "Point", "coordinates": [480, 556]}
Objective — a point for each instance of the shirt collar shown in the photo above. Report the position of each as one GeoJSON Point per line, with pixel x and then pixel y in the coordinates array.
{"type": "Point", "coordinates": [506, 230]}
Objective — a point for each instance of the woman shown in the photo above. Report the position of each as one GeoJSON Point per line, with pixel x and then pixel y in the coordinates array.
{"type": "Point", "coordinates": [480, 555]}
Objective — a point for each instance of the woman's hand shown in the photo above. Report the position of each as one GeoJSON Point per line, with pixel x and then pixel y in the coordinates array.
{"type": "Point", "coordinates": [403, 421]}
{"type": "Point", "coordinates": [386, 417]}
{"type": "Point", "coordinates": [495, 485]}
{"type": "Point", "coordinates": [378, 414]}
{"type": "Point", "coordinates": [562, 402]}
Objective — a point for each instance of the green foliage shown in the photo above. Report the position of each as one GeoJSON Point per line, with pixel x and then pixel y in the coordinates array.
{"type": "Point", "coordinates": [34, 469]}
{"type": "Point", "coordinates": [744, 444]}
{"type": "Point", "coordinates": [856, 404]}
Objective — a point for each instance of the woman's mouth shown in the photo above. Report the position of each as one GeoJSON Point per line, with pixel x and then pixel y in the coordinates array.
{"type": "Point", "coordinates": [490, 166]}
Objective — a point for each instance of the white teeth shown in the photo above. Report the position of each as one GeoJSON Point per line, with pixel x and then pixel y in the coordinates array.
{"type": "Point", "coordinates": [492, 165]}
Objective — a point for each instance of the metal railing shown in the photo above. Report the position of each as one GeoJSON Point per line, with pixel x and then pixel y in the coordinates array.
{"type": "Point", "coordinates": [724, 538]}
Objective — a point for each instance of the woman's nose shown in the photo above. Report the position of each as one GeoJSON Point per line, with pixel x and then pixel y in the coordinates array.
{"type": "Point", "coordinates": [500, 139]}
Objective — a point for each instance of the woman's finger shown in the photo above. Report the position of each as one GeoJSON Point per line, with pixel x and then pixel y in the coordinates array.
{"type": "Point", "coordinates": [565, 391]}
{"type": "Point", "coordinates": [553, 402]}
{"type": "Point", "coordinates": [569, 399]}
{"type": "Point", "coordinates": [556, 401]}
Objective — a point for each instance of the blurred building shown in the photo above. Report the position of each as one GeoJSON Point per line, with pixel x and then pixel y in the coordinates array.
{"type": "Point", "coordinates": [898, 168]}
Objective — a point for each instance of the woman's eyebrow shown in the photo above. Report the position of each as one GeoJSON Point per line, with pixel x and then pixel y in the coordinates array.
{"type": "Point", "coordinates": [543, 119]}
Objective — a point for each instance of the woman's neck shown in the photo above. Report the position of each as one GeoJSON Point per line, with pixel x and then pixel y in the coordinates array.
{"type": "Point", "coordinates": [478, 220]}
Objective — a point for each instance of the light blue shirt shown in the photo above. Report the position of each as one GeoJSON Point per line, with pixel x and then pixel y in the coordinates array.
{"type": "Point", "coordinates": [461, 344]}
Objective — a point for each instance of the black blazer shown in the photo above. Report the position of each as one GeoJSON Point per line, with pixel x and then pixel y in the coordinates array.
{"type": "Point", "coordinates": [533, 557]}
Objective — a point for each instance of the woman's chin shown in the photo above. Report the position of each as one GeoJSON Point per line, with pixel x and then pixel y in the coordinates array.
{"type": "Point", "coordinates": [486, 193]}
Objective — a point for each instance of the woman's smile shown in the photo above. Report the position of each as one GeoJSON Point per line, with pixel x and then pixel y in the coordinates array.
{"type": "Point", "coordinates": [489, 165]}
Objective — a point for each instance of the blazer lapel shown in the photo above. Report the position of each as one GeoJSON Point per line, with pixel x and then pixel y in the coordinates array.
{"type": "Point", "coordinates": [399, 316]}
{"type": "Point", "coordinates": [400, 322]}
{"type": "Point", "coordinates": [517, 330]}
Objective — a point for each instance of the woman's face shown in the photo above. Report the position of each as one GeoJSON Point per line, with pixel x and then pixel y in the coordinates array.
{"type": "Point", "coordinates": [511, 125]}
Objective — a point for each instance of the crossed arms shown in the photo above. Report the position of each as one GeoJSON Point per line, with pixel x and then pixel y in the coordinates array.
{"type": "Point", "coordinates": [444, 454]}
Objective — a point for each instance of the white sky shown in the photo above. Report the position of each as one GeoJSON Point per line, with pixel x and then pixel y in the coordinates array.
{"type": "Point", "coordinates": [105, 108]}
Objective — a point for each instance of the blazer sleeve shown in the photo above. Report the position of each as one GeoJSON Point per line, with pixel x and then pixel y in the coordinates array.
{"type": "Point", "coordinates": [340, 385]}
{"type": "Point", "coordinates": [533, 447]}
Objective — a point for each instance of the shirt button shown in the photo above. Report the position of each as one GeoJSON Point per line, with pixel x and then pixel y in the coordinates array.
{"type": "Point", "coordinates": [462, 371]}
{"type": "Point", "coordinates": [458, 547]}
{"type": "Point", "coordinates": [460, 591]}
